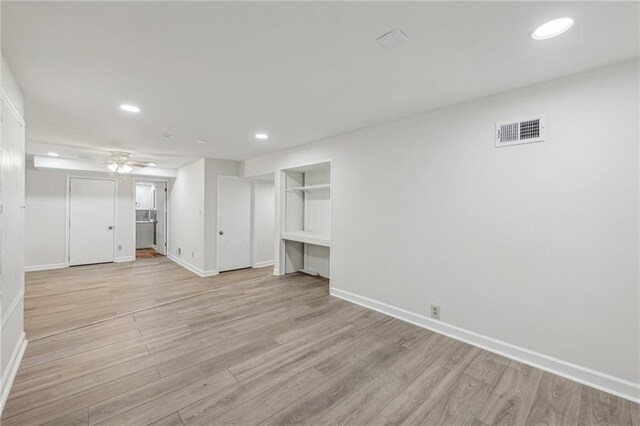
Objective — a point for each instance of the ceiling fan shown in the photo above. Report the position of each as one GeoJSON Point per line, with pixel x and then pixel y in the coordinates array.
{"type": "Point", "coordinates": [120, 163]}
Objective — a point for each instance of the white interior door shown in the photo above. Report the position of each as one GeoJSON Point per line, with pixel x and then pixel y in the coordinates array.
{"type": "Point", "coordinates": [91, 221]}
{"type": "Point", "coordinates": [161, 218]}
{"type": "Point", "coordinates": [234, 223]}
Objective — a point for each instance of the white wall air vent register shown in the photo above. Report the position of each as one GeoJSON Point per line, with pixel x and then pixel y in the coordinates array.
{"type": "Point", "coordinates": [517, 132]}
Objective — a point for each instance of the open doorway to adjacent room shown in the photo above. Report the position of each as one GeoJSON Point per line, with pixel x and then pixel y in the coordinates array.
{"type": "Point", "coordinates": [150, 218]}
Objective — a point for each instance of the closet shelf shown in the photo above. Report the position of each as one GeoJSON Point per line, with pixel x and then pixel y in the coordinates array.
{"type": "Point", "coordinates": [310, 188]}
{"type": "Point", "coordinates": [307, 237]}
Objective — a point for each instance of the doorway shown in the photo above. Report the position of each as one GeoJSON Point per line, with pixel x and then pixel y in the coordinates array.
{"type": "Point", "coordinates": [150, 218]}
{"type": "Point", "coordinates": [234, 223]}
{"type": "Point", "coordinates": [92, 221]}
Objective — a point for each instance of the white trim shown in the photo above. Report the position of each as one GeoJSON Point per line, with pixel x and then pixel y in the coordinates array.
{"type": "Point", "coordinates": [14, 304]}
{"type": "Point", "coordinates": [125, 259]}
{"type": "Point", "coordinates": [192, 268]}
{"type": "Point", "coordinates": [263, 264]}
{"type": "Point", "coordinates": [67, 252]}
{"type": "Point", "coordinates": [7, 100]}
{"type": "Point", "coordinates": [44, 267]}
{"type": "Point", "coordinates": [276, 272]}
{"type": "Point", "coordinates": [596, 379]}
{"type": "Point", "coordinates": [11, 371]}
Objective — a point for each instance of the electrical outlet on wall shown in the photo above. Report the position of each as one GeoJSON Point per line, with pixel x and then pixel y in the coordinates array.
{"type": "Point", "coordinates": [435, 311]}
{"type": "Point", "coordinates": [119, 247]}
{"type": "Point", "coordinates": [179, 250]}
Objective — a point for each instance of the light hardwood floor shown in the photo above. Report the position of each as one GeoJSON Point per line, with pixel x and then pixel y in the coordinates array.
{"type": "Point", "coordinates": [249, 348]}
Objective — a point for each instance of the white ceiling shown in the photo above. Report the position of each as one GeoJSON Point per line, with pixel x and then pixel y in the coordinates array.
{"type": "Point", "coordinates": [298, 71]}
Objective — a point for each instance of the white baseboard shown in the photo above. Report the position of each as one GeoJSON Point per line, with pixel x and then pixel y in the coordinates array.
{"type": "Point", "coordinates": [9, 311]}
{"type": "Point", "coordinates": [44, 267]}
{"type": "Point", "coordinates": [125, 259]}
{"type": "Point", "coordinates": [263, 264]}
{"type": "Point", "coordinates": [192, 268]}
{"type": "Point", "coordinates": [596, 379]}
{"type": "Point", "coordinates": [12, 369]}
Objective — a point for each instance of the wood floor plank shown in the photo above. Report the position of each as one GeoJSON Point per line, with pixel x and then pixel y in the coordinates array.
{"type": "Point", "coordinates": [557, 402]}
{"type": "Point", "coordinates": [158, 408]}
{"type": "Point", "coordinates": [421, 357]}
{"type": "Point", "coordinates": [362, 407]}
{"type": "Point", "coordinates": [172, 419]}
{"type": "Point", "coordinates": [413, 404]}
{"type": "Point", "coordinates": [488, 367]}
{"type": "Point", "coordinates": [273, 400]}
{"type": "Point", "coordinates": [149, 342]}
{"type": "Point", "coordinates": [459, 405]}
{"type": "Point", "coordinates": [33, 413]}
{"type": "Point", "coordinates": [77, 418]}
{"type": "Point", "coordinates": [600, 408]}
{"type": "Point", "coordinates": [635, 414]}
{"type": "Point", "coordinates": [310, 408]}
{"type": "Point", "coordinates": [512, 398]}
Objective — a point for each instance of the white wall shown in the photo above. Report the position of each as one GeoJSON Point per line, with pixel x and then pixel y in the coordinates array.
{"type": "Point", "coordinates": [532, 250]}
{"type": "Point", "coordinates": [186, 215]}
{"type": "Point", "coordinates": [12, 337]}
{"type": "Point", "coordinates": [46, 205]}
{"type": "Point", "coordinates": [263, 222]}
{"type": "Point", "coordinates": [193, 213]}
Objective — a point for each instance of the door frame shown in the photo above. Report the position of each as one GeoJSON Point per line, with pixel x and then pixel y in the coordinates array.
{"type": "Point", "coordinates": [218, 219]}
{"type": "Point", "coordinates": [67, 222]}
{"type": "Point", "coordinates": [133, 211]}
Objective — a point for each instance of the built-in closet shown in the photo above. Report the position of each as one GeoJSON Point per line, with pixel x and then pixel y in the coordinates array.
{"type": "Point", "coordinates": [306, 213]}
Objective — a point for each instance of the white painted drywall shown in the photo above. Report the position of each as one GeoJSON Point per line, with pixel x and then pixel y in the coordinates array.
{"type": "Point", "coordinates": [263, 222]}
{"type": "Point", "coordinates": [46, 205]}
{"type": "Point", "coordinates": [186, 215]}
{"type": "Point", "coordinates": [193, 215]}
{"type": "Point", "coordinates": [12, 341]}
{"type": "Point", "coordinates": [534, 245]}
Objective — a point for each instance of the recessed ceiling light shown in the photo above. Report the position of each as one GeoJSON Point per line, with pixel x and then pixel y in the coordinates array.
{"type": "Point", "coordinates": [202, 141]}
{"type": "Point", "coordinates": [129, 108]}
{"type": "Point", "coordinates": [552, 28]}
{"type": "Point", "coordinates": [152, 163]}
{"type": "Point", "coordinates": [262, 136]}
{"type": "Point", "coordinates": [53, 154]}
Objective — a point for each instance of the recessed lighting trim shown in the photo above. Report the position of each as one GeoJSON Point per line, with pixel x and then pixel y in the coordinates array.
{"type": "Point", "coordinates": [262, 136]}
{"type": "Point", "coordinates": [53, 154]}
{"type": "Point", "coordinates": [552, 28]}
{"type": "Point", "coordinates": [152, 163]}
{"type": "Point", "coordinates": [130, 108]}
{"type": "Point", "coordinates": [202, 141]}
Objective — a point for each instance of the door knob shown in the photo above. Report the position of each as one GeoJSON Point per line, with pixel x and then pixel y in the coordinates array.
{"type": "Point", "coordinates": [221, 233]}
{"type": "Point", "coordinates": [110, 227]}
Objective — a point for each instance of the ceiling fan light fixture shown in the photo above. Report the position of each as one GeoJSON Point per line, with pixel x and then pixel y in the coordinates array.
{"type": "Point", "coordinates": [119, 168]}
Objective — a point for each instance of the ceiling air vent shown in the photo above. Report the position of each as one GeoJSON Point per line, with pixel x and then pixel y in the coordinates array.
{"type": "Point", "coordinates": [517, 132]}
